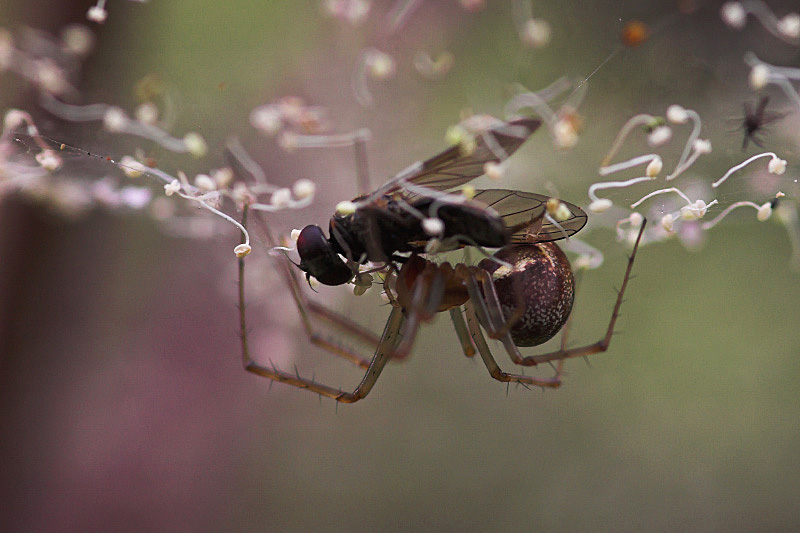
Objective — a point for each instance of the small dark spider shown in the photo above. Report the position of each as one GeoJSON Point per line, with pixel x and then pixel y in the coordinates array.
{"type": "Point", "coordinates": [755, 120]}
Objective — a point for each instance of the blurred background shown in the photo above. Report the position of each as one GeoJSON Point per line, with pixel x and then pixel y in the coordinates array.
{"type": "Point", "coordinates": [123, 403]}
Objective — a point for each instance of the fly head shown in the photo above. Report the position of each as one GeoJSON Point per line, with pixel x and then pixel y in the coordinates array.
{"type": "Point", "coordinates": [319, 259]}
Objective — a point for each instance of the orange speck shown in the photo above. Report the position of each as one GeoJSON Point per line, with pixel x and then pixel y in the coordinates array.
{"type": "Point", "coordinates": [634, 33]}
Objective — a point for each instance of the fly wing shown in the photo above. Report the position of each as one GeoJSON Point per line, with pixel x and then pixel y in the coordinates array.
{"type": "Point", "coordinates": [523, 213]}
{"type": "Point", "coordinates": [453, 168]}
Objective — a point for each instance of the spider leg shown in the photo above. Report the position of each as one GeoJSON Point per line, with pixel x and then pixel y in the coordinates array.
{"type": "Point", "coordinates": [755, 140]}
{"type": "Point", "coordinates": [493, 304]}
{"type": "Point", "coordinates": [602, 344]}
{"type": "Point", "coordinates": [429, 289]}
{"type": "Point", "coordinates": [462, 332]}
{"type": "Point", "coordinates": [490, 313]}
{"type": "Point", "coordinates": [382, 355]}
{"type": "Point", "coordinates": [474, 324]}
{"type": "Point", "coordinates": [309, 308]}
{"type": "Point", "coordinates": [384, 351]}
{"type": "Point", "coordinates": [559, 365]}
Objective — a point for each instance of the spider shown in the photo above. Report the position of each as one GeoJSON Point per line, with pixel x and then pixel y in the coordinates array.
{"type": "Point", "coordinates": [522, 306]}
{"type": "Point", "coordinates": [522, 295]}
{"type": "Point", "coordinates": [755, 120]}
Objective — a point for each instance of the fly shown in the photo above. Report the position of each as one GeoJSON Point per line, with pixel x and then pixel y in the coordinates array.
{"type": "Point", "coordinates": [391, 220]}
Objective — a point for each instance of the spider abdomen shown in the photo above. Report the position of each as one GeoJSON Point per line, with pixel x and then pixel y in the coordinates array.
{"type": "Point", "coordinates": [541, 280]}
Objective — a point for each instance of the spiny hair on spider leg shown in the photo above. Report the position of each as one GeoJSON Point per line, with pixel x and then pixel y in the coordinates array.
{"type": "Point", "coordinates": [246, 332]}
